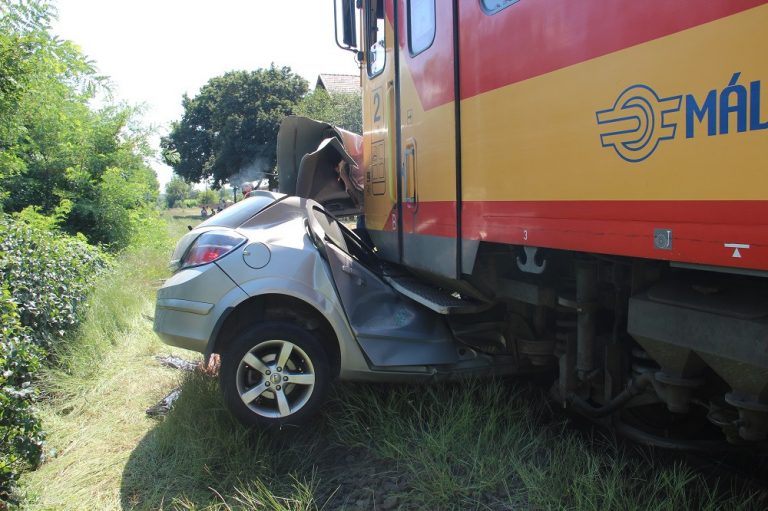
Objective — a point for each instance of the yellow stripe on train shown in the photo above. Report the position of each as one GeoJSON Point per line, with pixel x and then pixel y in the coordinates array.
{"type": "Point", "coordinates": [540, 139]}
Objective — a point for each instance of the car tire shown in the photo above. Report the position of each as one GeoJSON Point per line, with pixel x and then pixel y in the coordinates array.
{"type": "Point", "coordinates": [275, 374]}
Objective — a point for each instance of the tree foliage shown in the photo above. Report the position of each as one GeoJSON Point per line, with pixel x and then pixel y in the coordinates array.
{"type": "Point", "coordinates": [232, 123]}
{"type": "Point", "coordinates": [53, 146]}
{"type": "Point", "coordinates": [176, 191]}
{"type": "Point", "coordinates": [207, 198]}
{"type": "Point", "coordinates": [341, 110]}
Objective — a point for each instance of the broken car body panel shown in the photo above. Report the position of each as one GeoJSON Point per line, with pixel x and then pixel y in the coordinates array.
{"type": "Point", "coordinates": [321, 162]}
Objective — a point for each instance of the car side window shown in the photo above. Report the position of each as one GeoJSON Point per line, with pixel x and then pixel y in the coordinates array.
{"type": "Point", "coordinates": [331, 228]}
{"type": "Point", "coordinates": [345, 239]}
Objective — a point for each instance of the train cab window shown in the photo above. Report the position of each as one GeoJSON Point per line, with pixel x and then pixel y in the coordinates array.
{"type": "Point", "coordinates": [421, 25]}
{"type": "Point", "coordinates": [376, 54]}
{"type": "Point", "coordinates": [494, 6]}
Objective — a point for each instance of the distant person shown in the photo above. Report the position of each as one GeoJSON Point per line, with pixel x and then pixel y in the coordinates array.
{"type": "Point", "coordinates": [246, 188]}
{"type": "Point", "coordinates": [204, 212]}
{"type": "Point", "coordinates": [221, 206]}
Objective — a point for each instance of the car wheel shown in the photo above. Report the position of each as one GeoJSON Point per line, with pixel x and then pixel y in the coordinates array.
{"type": "Point", "coordinates": [275, 374]}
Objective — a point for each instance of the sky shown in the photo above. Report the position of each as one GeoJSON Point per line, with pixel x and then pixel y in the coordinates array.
{"type": "Point", "coordinates": [154, 51]}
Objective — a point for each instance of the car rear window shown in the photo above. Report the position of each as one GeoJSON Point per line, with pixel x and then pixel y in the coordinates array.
{"type": "Point", "coordinates": [237, 214]}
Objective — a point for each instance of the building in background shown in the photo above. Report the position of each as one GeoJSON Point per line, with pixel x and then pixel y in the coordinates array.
{"type": "Point", "coordinates": [338, 84]}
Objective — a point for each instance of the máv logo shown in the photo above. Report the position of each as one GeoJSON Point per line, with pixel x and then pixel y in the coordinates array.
{"type": "Point", "coordinates": [638, 122]}
{"type": "Point", "coordinates": [640, 119]}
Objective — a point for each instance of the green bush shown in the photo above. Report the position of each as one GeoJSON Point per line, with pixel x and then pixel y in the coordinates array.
{"type": "Point", "coordinates": [21, 439]}
{"type": "Point", "coordinates": [207, 198]}
{"type": "Point", "coordinates": [49, 275]}
{"type": "Point", "coordinates": [45, 277]}
{"type": "Point", "coordinates": [114, 216]}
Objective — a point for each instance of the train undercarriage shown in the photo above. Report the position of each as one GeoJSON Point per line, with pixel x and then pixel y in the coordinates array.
{"type": "Point", "coordinates": [670, 356]}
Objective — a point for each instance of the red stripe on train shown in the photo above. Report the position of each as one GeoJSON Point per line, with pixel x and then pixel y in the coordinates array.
{"type": "Point", "coordinates": [534, 37]}
{"type": "Point", "coordinates": [721, 233]}
{"type": "Point", "coordinates": [531, 38]}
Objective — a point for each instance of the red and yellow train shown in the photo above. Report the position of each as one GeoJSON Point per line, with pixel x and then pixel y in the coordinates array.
{"type": "Point", "coordinates": [596, 173]}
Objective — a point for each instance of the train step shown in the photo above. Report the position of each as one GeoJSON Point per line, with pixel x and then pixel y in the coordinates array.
{"type": "Point", "coordinates": [433, 298]}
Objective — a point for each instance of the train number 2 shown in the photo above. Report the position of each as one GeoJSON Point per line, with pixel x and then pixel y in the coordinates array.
{"type": "Point", "coordinates": [377, 106]}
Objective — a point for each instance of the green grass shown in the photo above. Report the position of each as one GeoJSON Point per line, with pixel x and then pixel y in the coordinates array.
{"type": "Point", "coordinates": [179, 218]}
{"type": "Point", "coordinates": [479, 445]}
{"type": "Point", "coordinates": [493, 445]}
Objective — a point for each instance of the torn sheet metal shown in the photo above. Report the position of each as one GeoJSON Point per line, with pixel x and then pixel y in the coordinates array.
{"type": "Point", "coordinates": [321, 162]}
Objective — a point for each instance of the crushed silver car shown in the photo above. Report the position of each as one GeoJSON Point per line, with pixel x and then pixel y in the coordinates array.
{"type": "Point", "coordinates": [291, 299]}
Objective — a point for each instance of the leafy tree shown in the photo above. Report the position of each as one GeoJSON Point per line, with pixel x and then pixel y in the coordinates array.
{"type": "Point", "coordinates": [54, 148]}
{"type": "Point", "coordinates": [342, 110]}
{"type": "Point", "coordinates": [176, 190]}
{"type": "Point", "coordinates": [208, 198]}
{"type": "Point", "coordinates": [38, 72]}
{"type": "Point", "coordinates": [231, 123]}
{"type": "Point", "coordinates": [121, 206]}
{"type": "Point", "coordinates": [21, 35]}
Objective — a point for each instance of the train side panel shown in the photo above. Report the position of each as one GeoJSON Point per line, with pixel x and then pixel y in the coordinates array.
{"type": "Point", "coordinates": [634, 129]}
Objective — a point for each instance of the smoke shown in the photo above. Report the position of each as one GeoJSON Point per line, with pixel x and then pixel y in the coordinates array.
{"type": "Point", "coordinates": [255, 172]}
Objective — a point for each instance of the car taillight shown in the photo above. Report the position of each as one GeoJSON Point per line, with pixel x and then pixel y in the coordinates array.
{"type": "Point", "coordinates": [211, 246]}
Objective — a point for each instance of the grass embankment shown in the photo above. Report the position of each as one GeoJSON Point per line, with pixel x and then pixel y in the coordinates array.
{"type": "Point", "coordinates": [482, 445]}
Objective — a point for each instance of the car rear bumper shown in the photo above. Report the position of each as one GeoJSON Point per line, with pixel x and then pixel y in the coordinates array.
{"type": "Point", "coordinates": [190, 304]}
{"type": "Point", "coordinates": [183, 328]}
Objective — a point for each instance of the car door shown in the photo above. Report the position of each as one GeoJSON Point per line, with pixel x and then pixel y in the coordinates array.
{"type": "Point", "coordinates": [391, 329]}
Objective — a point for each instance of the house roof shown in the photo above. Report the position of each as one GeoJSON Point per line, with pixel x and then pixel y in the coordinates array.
{"type": "Point", "coordinates": [334, 83]}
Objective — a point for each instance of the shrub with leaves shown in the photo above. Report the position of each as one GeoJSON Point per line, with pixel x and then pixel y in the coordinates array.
{"type": "Point", "coordinates": [49, 275]}
{"type": "Point", "coordinates": [45, 276]}
{"type": "Point", "coordinates": [20, 436]}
